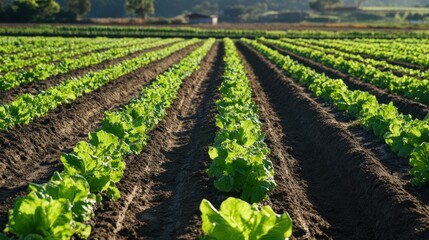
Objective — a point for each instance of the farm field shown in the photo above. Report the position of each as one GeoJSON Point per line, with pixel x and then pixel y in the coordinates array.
{"type": "Point", "coordinates": [123, 138]}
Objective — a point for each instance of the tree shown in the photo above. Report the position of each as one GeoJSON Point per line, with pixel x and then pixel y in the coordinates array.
{"type": "Point", "coordinates": [34, 10]}
{"type": "Point", "coordinates": [79, 7]}
{"type": "Point", "coordinates": [141, 8]}
{"type": "Point", "coordinates": [206, 7]}
{"type": "Point", "coordinates": [24, 10]}
{"type": "Point", "coordinates": [3, 5]}
{"type": "Point", "coordinates": [47, 9]}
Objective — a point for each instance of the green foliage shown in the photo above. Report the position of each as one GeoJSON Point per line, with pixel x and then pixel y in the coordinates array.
{"type": "Point", "coordinates": [239, 152]}
{"type": "Point", "coordinates": [35, 218]}
{"type": "Point", "coordinates": [44, 50]}
{"type": "Point", "coordinates": [60, 208]}
{"type": "Point", "coordinates": [75, 188]}
{"type": "Point", "coordinates": [35, 10]}
{"type": "Point", "coordinates": [206, 7]}
{"type": "Point", "coordinates": [141, 8]}
{"type": "Point", "coordinates": [420, 162]}
{"type": "Point", "coordinates": [27, 106]}
{"type": "Point", "coordinates": [404, 135]}
{"type": "Point", "coordinates": [238, 220]}
{"type": "Point", "coordinates": [79, 7]}
{"type": "Point", "coordinates": [188, 32]}
{"type": "Point", "coordinates": [99, 162]}
{"type": "Point", "coordinates": [47, 9]}
{"type": "Point", "coordinates": [348, 50]}
{"type": "Point", "coordinates": [410, 87]}
{"type": "Point", "coordinates": [41, 70]}
{"type": "Point", "coordinates": [55, 210]}
{"type": "Point", "coordinates": [27, 9]}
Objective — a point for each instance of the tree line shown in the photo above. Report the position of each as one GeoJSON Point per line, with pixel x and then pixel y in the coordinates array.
{"type": "Point", "coordinates": [231, 10]}
{"type": "Point", "coordinates": [52, 10]}
{"type": "Point", "coordinates": [69, 10]}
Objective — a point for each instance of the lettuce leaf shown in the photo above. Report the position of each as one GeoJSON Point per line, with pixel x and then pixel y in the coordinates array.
{"type": "Point", "coordinates": [35, 218]}
{"type": "Point", "coordinates": [238, 220]}
{"type": "Point", "coordinates": [420, 162]}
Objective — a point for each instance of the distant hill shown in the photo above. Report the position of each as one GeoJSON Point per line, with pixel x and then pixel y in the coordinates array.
{"type": "Point", "coordinates": [171, 8]}
{"type": "Point", "coordinates": [408, 3]}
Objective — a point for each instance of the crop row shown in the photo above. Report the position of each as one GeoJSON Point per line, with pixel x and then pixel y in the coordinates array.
{"type": "Point", "coordinates": [27, 49]}
{"type": "Point", "coordinates": [240, 164]}
{"type": "Point", "coordinates": [345, 52]}
{"type": "Point", "coordinates": [50, 54]}
{"type": "Point", "coordinates": [61, 208]}
{"type": "Point", "coordinates": [27, 106]}
{"type": "Point", "coordinates": [44, 70]}
{"type": "Point", "coordinates": [410, 87]}
{"type": "Point", "coordinates": [402, 40]}
{"type": "Point", "coordinates": [397, 51]}
{"type": "Point", "coordinates": [368, 53]}
{"type": "Point", "coordinates": [13, 45]}
{"type": "Point", "coordinates": [118, 31]}
{"type": "Point", "coordinates": [239, 154]}
{"type": "Point", "coordinates": [406, 136]}
{"type": "Point", "coordinates": [395, 46]}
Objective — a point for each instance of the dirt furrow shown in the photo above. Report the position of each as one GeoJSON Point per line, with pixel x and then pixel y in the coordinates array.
{"type": "Point", "coordinates": [38, 86]}
{"type": "Point", "coordinates": [404, 105]}
{"type": "Point", "coordinates": [347, 185]}
{"type": "Point", "coordinates": [290, 195]}
{"type": "Point", "coordinates": [171, 169]}
{"type": "Point", "coordinates": [31, 153]}
{"type": "Point", "coordinates": [395, 165]}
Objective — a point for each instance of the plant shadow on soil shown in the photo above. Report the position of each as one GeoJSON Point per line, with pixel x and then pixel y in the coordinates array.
{"type": "Point", "coordinates": [343, 180]}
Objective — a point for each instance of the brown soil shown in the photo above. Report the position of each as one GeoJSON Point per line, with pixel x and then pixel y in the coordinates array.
{"type": "Point", "coordinates": [349, 188]}
{"type": "Point", "coordinates": [291, 194]}
{"type": "Point", "coordinates": [38, 86]}
{"type": "Point", "coordinates": [164, 185]}
{"type": "Point", "coordinates": [395, 165]}
{"type": "Point", "coordinates": [404, 105]}
{"type": "Point", "coordinates": [335, 179]}
{"type": "Point", "coordinates": [31, 153]}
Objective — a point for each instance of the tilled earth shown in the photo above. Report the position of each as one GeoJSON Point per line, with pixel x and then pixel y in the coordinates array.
{"type": "Point", "coordinates": [335, 179]}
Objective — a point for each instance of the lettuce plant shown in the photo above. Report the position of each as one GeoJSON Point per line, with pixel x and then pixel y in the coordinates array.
{"type": "Point", "coordinates": [61, 208]}
{"type": "Point", "coordinates": [403, 134]}
{"type": "Point", "coordinates": [239, 154]}
{"type": "Point", "coordinates": [238, 220]}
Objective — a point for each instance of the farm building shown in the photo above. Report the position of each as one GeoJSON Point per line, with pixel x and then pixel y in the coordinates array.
{"type": "Point", "coordinates": [196, 18]}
